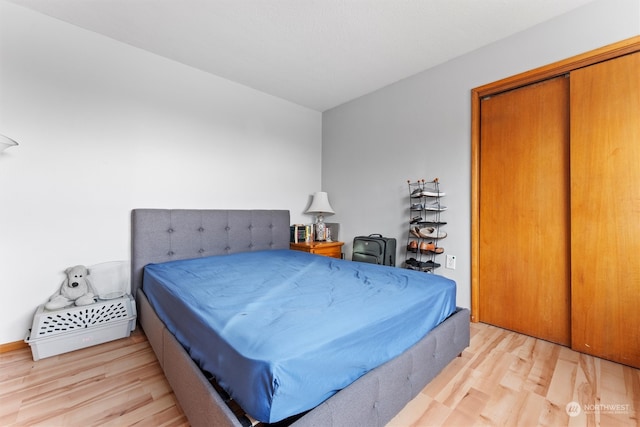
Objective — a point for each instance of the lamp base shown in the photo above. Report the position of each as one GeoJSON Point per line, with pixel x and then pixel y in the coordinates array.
{"type": "Point", "coordinates": [320, 232]}
{"type": "Point", "coordinates": [320, 229]}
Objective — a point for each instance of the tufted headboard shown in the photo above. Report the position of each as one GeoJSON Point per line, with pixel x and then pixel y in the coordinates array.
{"type": "Point", "coordinates": [159, 235]}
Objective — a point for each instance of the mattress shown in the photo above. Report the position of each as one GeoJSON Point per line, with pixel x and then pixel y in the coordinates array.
{"type": "Point", "coordinates": [282, 331]}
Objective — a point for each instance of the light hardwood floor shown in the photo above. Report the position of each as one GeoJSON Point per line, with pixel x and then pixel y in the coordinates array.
{"type": "Point", "coordinates": [502, 379]}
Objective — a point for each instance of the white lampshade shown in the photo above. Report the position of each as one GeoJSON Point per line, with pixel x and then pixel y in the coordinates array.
{"type": "Point", "coordinates": [320, 203]}
{"type": "Point", "coordinates": [6, 143]}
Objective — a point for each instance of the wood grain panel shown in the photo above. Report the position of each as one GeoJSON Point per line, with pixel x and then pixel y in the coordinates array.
{"type": "Point", "coordinates": [524, 268]}
{"type": "Point", "coordinates": [555, 69]}
{"type": "Point", "coordinates": [605, 209]}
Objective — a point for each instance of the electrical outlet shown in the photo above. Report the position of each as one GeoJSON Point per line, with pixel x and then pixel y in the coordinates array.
{"type": "Point", "coordinates": [451, 262]}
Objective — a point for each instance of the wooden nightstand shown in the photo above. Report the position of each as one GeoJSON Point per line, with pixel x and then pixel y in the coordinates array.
{"type": "Point", "coordinates": [330, 249]}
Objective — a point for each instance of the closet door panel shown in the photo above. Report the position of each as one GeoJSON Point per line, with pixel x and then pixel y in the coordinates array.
{"type": "Point", "coordinates": [605, 209]}
{"type": "Point", "coordinates": [524, 268]}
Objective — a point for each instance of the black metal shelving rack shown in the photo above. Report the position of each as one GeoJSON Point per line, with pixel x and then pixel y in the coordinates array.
{"type": "Point", "coordinates": [425, 225]}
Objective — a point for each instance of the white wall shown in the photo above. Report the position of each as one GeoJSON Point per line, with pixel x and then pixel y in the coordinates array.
{"type": "Point", "coordinates": [420, 128]}
{"type": "Point", "coordinates": [103, 128]}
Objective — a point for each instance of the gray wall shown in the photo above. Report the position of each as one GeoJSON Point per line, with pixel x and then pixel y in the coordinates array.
{"type": "Point", "coordinates": [420, 128]}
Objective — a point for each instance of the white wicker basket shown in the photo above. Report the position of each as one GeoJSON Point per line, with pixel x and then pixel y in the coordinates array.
{"type": "Point", "coordinates": [72, 328]}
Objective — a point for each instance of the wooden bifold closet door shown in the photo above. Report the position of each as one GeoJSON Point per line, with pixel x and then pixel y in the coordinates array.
{"type": "Point", "coordinates": [524, 210]}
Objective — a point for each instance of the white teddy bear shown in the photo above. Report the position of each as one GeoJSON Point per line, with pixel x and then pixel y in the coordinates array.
{"type": "Point", "coordinates": [75, 289]}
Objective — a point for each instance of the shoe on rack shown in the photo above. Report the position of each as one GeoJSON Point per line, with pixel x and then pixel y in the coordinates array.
{"type": "Point", "coordinates": [430, 233]}
{"type": "Point", "coordinates": [412, 246]}
{"type": "Point", "coordinates": [430, 264]}
{"type": "Point", "coordinates": [412, 264]}
{"type": "Point", "coordinates": [427, 266]}
{"type": "Point", "coordinates": [430, 248]}
{"type": "Point", "coordinates": [435, 207]}
{"type": "Point", "coordinates": [432, 192]}
{"type": "Point", "coordinates": [417, 192]}
{"type": "Point", "coordinates": [417, 206]}
{"type": "Point", "coordinates": [416, 232]}
{"type": "Point", "coordinates": [431, 223]}
{"type": "Point", "coordinates": [415, 220]}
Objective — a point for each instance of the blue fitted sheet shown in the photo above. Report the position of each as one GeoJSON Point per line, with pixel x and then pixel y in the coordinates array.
{"type": "Point", "coordinates": [284, 330]}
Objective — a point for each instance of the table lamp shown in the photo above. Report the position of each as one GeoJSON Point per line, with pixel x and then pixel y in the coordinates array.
{"type": "Point", "coordinates": [320, 206]}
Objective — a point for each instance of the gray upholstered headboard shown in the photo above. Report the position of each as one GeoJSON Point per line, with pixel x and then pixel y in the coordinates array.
{"type": "Point", "coordinates": [159, 235]}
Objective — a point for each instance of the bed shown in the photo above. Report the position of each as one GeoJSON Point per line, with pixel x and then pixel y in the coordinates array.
{"type": "Point", "coordinates": [187, 238]}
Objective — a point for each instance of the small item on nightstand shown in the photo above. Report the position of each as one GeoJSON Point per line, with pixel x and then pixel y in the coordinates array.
{"type": "Point", "coordinates": [333, 230]}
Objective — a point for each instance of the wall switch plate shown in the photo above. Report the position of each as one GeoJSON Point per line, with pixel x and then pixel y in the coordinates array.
{"type": "Point", "coordinates": [451, 262]}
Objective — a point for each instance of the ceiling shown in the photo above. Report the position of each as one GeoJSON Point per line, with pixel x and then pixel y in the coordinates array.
{"type": "Point", "coordinates": [315, 53]}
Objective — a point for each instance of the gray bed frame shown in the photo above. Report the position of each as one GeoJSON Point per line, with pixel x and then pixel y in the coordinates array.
{"type": "Point", "coordinates": [159, 235]}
